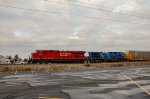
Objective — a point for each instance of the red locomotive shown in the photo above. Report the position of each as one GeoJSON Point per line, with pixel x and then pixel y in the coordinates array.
{"type": "Point", "coordinates": [56, 56]}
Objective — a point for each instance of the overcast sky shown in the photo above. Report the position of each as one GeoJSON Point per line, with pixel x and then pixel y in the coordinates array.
{"type": "Point", "coordinates": [90, 25]}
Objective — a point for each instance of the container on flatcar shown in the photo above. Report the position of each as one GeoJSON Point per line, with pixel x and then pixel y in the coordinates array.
{"type": "Point", "coordinates": [137, 55]}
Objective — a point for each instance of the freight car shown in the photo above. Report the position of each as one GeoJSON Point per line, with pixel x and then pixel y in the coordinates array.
{"type": "Point", "coordinates": [106, 56]}
{"type": "Point", "coordinates": [56, 56]}
{"type": "Point", "coordinates": [138, 55]}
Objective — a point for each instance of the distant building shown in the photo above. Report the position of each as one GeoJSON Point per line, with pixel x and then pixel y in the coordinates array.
{"type": "Point", "coordinates": [4, 60]}
{"type": "Point", "coordinates": [20, 62]}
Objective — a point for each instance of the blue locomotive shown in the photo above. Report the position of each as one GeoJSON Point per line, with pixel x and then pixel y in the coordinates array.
{"type": "Point", "coordinates": [106, 56]}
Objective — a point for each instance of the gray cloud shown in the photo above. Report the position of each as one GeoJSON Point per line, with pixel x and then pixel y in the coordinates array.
{"type": "Point", "coordinates": [23, 31]}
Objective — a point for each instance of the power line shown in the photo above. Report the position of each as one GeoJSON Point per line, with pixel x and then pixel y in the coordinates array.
{"type": "Point", "coordinates": [99, 8]}
{"type": "Point", "coordinates": [7, 6]}
{"type": "Point", "coordinates": [135, 2]}
{"type": "Point", "coordinates": [143, 4]}
{"type": "Point", "coordinates": [106, 8]}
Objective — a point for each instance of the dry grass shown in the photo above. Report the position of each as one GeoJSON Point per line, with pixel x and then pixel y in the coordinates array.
{"type": "Point", "coordinates": [120, 64]}
{"type": "Point", "coordinates": [44, 67]}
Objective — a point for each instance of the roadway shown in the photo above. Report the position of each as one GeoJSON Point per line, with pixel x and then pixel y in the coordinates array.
{"type": "Point", "coordinates": [102, 83]}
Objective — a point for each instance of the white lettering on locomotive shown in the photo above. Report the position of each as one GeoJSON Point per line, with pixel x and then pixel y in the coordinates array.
{"type": "Point", "coordinates": [65, 54]}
